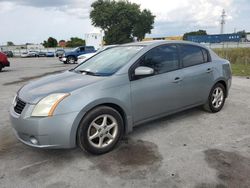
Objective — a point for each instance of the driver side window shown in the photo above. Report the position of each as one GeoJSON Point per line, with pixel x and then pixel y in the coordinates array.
{"type": "Point", "coordinates": [162, 59]}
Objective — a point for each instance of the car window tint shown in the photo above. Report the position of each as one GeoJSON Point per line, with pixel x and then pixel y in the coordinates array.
{"type": "Point", "coordinates": [206, 56]}
{"type": "Point", "coordinates": [82, 49]}
{"type": "Point", "coordinates": [191, 55]}
{"type": "Point", "coordinates": [162, 59]}
{"type": "Point", "coordinates": [89, 48]}
{"type": "Point", "coordinates": [109, 61]}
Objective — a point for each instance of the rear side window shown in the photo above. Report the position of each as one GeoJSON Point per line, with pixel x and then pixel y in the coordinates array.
{"type": "Point", "coordinates": [193, 55]}
{"type": "Point", "coordinates": [82, 49]}
{"type": "Point", "coordinates": [89, 48]}
{"type": "Point", "coordinates": [162, 59]}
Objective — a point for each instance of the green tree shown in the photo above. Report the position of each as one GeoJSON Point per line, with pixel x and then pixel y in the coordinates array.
{"type": "Point", "coordinates": [199, 32]}
{"type": "Point", "coordinates": [121, 21]}
{"type": "Point", "coordinates": [9, 43]}
{"type": "Point", "coordinates": [51, 42]}
{"type": "Point", "coordinates": [74, 42]}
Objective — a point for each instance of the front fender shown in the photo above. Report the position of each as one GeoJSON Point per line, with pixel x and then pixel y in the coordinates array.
{"type": "Point", "coordinates": [128, 118]}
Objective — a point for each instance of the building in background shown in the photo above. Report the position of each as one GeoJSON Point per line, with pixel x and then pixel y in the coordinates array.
{"type": "Point", "coordinates": [94, 39]}
{"type": "Point", "coordinates": [26, 47]}
{"type": "Point", "coordinates": [215, 38]}
{"type": "Point", "coordinates": [248, 37]}
{"type": "Point", "coordinates": [36, 47]}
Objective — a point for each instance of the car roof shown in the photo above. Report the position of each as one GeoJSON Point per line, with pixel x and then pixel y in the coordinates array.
{"type": "Point", "coordinates": [161, 42]}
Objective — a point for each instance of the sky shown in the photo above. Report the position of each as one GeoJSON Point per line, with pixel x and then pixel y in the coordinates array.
{"type": "Point", "coordinates": [33, 21]}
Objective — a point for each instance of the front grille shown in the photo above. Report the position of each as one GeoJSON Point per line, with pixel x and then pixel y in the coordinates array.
{"type": "Point", "coordinates": [19, 106]}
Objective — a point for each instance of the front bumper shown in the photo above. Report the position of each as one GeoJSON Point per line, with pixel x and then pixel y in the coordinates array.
{"type": "Point", "coordinates": [6, 64]}
{"type": "Point", "coordinates": [49, 132]}
{"type": "Point", "coordinates": [63, 59]}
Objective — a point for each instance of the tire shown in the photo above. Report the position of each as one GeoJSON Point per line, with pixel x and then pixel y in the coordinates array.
{"type": "Point", "coordinates": [105, 136]}
{"type": "Point", "coordinates": [71, 60]}
{"type": "Point", "coordinates": [215, 105]}
{"type": "Point", "coordinates": [1, 67]}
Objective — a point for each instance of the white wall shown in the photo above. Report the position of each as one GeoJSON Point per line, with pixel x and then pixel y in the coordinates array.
{"type": "Point", "coordinates": [94, 39]}
{"type": "Point", "coordinates": [248, 37]}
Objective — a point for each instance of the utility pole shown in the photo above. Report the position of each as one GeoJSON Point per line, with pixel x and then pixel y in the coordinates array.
{"type": "Point", "coordinates": [223, 21]}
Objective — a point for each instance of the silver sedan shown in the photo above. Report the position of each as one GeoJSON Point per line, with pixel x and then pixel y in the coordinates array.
{"type": "Point", "coordinates": [97, 102]}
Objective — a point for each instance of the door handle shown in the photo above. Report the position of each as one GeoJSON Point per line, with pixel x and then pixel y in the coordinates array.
{"type": "Point", "coordinates": [177, 79]}
{"type": "Point", "coordinates": [209, 70]}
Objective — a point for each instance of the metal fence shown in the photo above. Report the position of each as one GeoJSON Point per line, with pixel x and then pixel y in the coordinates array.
{"type": "Point", "coordinates": [225, 45]}
{"type": "Point", "coordinates": [228, 45]}
{"type": "Point", "coordinates": [18, 52]}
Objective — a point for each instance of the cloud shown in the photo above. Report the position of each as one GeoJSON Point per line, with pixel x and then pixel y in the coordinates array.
{"type": "Point", "coordinates": [78, 8]}
{"type": "Point", "coordinates": [65, 18]}
{"type": "Point", "coordinates": [180, 16]}
{"type": "Point", "coordinates": [39, 3]}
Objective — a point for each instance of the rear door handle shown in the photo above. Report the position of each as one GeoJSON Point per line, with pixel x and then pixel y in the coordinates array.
{"type": "Point", "coordinates": [209, 70]}
{"type": "Point", "coordinates": [177, 79]}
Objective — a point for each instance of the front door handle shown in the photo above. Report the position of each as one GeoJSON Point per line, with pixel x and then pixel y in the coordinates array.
{"type": "Point", "coordinates": [177, 79]}
{"type": "Point", "coordinates": [209, 70]}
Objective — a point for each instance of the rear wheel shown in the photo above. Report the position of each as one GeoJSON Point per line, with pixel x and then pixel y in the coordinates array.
{"type": "Point", "coordinates": [1, 67]}
{"type": "Point", "coordinates": [71, 60]}
{"type": "Point", "coordinates": [216, 98]}
{"type": "Point", "coordinates": [100, 130]}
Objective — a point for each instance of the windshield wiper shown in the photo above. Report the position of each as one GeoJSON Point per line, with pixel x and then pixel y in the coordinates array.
{"type": "Point", "coordinates": [86, 72]}
{"type": "Point", "coordinates": [91, 73]}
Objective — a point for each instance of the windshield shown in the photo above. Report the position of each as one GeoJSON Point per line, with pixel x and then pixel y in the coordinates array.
{"type": "Point", "coordinates": [109, 61]}
{"type": "Point", "coordinates": [75, 49]}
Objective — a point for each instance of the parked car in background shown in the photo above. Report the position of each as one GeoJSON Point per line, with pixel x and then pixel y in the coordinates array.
{"type": "Point", "coordinates": [8, 53]}
{"type": "Point", "coordinates": [84, 57]}
{"type": "Point", "coordinates": [59, 52]}
{"type": "Point", "coordinates": [93, 105]}
{"type": "Point", "coordinates": [50, 54]}
{"type": "Point", "coordinates": [30, 54]}
{"type": "Point", "coordinates": [41, 54]}
{"type": "Point", "coordinates": [71, 56]}
{"type": "Point", "coordinates": [3, 61]}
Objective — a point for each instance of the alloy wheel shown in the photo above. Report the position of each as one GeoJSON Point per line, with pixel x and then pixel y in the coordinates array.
{"type": "Point", "coordinates": [102, 131]}
{"type": "Point", "coordinates": [217, 97]}
{"type": "Point", "coordinates": [71, 60]}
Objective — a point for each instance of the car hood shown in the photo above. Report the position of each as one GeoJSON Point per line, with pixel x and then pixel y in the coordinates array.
{"type": "Point", "coordinates": [65, 82]}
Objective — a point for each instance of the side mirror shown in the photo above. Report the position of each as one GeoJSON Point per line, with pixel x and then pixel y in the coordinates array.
{"type": "Point", "coordinates": [144, 71]}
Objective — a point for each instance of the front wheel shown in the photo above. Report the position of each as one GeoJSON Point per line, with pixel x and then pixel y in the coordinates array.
{"type": "Point", "coordinates": [100, 130]}
{"type": "Point", "coordinates": [216, 98]}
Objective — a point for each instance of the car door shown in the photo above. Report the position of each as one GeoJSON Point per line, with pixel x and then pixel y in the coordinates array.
{"type": "Point", "coordinates": [160, 93]}
{"type": "Point", "coordinates": [197, 74]}
{"type": "Point", "coordinates": [81, 51]}
{"type": "Point", "coordinates": [89, 49]}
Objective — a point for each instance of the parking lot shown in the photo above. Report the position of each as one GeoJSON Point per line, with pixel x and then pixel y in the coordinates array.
{"type": "Point", "coordinates": [189, 149]}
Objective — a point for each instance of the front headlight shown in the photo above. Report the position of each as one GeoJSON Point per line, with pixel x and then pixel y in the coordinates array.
{"type": "Point", "coordinates": [47, 105]}
{"type": "Point", "coordinates": [14, 100]}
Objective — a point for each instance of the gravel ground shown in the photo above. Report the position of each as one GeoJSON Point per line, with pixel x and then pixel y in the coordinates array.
{"type": "Point", "coordinates": [189, 149]}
